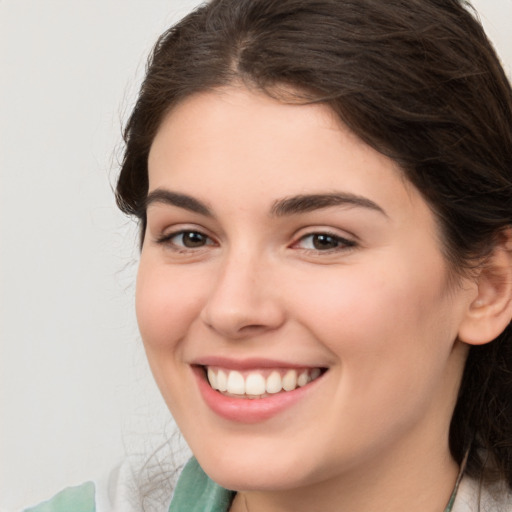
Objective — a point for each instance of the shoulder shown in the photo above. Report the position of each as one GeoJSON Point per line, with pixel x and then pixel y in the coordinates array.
{"type": "Point", "coordinates": [473, 496]}
{"type": "Point", "coordinates": [118, 491]}
{"type": "Point", "coordinates": [115, 491]}
{"type": "Point", "coordinates": [78, 499]}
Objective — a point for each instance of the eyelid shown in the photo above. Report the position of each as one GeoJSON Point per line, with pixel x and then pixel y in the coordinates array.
{"type": "Point", "coordinates": [346, 243]}
{"type": "Point", "coordinates": [166, 238]}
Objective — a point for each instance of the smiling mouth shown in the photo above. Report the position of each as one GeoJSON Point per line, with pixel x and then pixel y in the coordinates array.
{"type": "Point", "coordinates": [261, 383]}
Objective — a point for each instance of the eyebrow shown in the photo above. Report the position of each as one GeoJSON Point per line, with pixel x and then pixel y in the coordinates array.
{"type": "Point", "coordinates": [283, 207]}
{"type": "Point", "coordinates": [184, 201]}
{"type": "Point", "coordinates": [309, 202]}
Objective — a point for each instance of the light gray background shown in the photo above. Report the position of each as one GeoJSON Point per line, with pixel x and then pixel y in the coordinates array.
{"type": "Point", "coordinates": [75, 392]}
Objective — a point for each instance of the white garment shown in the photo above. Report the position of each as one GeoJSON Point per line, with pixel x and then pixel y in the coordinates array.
{"type": "Point", "coordinates": [471, 497]}
{"type": "Point", "coordinates": [119, 491]}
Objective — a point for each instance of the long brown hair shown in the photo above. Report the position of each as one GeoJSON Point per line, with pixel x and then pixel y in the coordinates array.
{"type": "Point", "coordinates": [417, 80]}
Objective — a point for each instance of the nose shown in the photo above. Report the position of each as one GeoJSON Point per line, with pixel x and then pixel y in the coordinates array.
{"type": "Point", "coordinates": [243, 300]}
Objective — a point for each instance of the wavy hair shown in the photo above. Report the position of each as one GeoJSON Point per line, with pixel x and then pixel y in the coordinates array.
{"type": "Point", "coordinates": [417, 80]}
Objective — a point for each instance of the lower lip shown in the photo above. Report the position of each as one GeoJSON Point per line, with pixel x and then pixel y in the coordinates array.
{"type": "Point", "coordinates": [245, 410]}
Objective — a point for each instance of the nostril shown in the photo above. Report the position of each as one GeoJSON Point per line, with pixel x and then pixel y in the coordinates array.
{"type": "Point", "coordinates": [253, 328]}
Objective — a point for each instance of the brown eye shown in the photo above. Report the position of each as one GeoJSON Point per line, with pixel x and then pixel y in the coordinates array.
{"type": "Point", "coordinates": [193, 239]}
{"type": "Point", "coordinates": [186, 240]}
{"type": "Point", "coordinates": [324, 242]}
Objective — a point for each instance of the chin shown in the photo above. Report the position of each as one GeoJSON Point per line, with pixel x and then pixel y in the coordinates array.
{"type": "Point", "coordinates": [259, 473]}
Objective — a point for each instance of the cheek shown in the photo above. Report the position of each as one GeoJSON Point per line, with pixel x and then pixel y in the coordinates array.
{"type": "Point", "coordinates": [392, 343]}
{"type": "Point", "coordinates": [380, 313]}
{"type": "Point", "coordinates": [167, 303]}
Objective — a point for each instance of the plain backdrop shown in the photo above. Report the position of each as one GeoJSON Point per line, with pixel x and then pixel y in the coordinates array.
{"type": "Point", "coordinates": [75, 392]}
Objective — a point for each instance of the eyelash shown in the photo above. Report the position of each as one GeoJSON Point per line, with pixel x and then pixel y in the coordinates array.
{"type": "Point", "coordinates": [168, 240]}
{"type": "Point", "coordinates": [341, 244]}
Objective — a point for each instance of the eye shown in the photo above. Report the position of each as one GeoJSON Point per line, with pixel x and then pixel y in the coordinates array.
{"type": "Point", "coordinates": [186, 239]}
{"type": "Point", "coordinates": [324, 242]}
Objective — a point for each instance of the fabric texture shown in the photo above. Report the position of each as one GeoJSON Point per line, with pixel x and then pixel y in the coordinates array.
{"type": "Point", "coordinates": [72, 499]}
{"type": "Point", "coordinates": [493, 498]}
{"type": "Point", "coordinates": [196, 492]}
{"type": "Point", "coordinates": [115, 491]}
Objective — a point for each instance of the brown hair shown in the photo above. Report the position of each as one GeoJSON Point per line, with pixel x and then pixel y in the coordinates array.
{"type": "Point", "coordinates": [417, 80]}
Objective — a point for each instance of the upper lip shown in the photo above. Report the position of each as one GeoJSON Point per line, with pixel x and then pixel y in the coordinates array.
{"type": "Point", "coordinates": [249, 363]}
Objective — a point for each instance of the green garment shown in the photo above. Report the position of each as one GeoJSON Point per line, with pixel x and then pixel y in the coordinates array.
{"type": "Point", "coordinates": [72, 499]}
{"type": "Point", "coordinates": [196, 492]}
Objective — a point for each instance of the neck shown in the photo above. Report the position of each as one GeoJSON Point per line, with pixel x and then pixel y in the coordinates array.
{"type": "Point", "coordinates": [397, 482]}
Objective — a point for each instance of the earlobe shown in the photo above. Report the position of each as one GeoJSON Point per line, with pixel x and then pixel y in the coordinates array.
{"type": "Point", "coordinates": [490, 311]}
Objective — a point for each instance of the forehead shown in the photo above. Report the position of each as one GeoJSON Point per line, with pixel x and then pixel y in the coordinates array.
{"type": "Point", "coordinates": [237, 140]}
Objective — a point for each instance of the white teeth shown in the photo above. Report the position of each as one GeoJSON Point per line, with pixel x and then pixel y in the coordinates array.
{"type": "Point", "coordinates": [315, 373]}
{"type": "Point", "coordinates": [212, 379]}
{"type": "Point", "coordinates": [254, 384]}
{"type": "Point", "coordinates": [290, 380]}
{"type": "Point", "coordinates": [274, 383]}
{"type": "Point", "coordinates": [222, 381]}
{"type": "Point", "coordinates": [236, 383]}
{"type": "Point", "coordinates": [303, 379]}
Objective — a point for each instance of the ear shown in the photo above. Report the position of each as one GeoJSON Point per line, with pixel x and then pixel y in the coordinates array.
{"type": "Point", "coordinates": [490, 311]}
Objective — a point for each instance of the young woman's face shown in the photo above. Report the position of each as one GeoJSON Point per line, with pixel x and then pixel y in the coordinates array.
{"type": "Point", "coordinates": [280, 251]}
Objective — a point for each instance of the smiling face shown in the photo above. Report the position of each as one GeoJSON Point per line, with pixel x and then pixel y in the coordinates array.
{"type": "Point", "coordinates": [291, 262]}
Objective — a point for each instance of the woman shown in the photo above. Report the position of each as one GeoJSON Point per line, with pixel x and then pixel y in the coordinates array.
{"type": "Point", "coordinates": [324, 190]}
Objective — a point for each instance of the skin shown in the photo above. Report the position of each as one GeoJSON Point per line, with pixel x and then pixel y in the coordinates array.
{"type": "Point", "coordinates": [380, 311]}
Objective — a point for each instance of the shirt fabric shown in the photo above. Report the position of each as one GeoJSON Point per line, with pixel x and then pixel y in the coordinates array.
{"type": "Point", "coordinates": [196, 492]}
